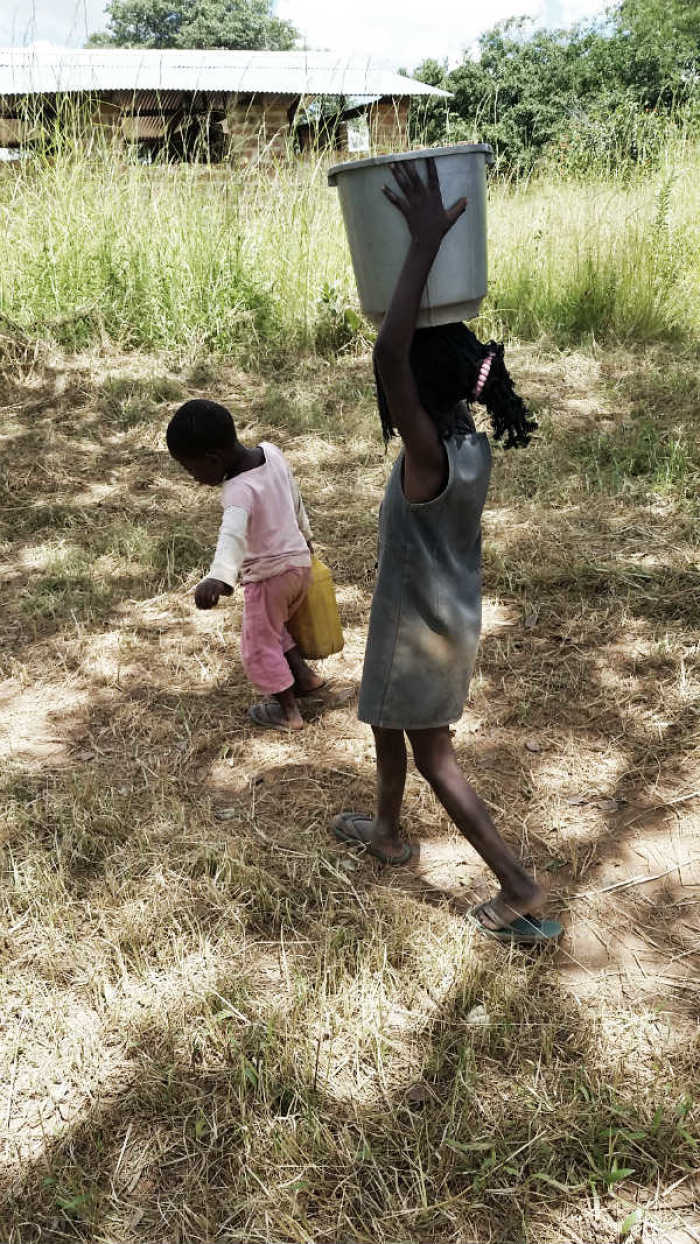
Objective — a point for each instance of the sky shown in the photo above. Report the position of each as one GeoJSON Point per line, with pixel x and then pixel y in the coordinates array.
{"type": "Point", "coordinates": [404, 32]}
{"type": "Point", "coordinates": [407, 32]}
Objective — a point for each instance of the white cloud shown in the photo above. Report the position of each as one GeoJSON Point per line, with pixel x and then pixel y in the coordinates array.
{"type": "Point", "coordinates": [406, 32]}
{"type": "Point", "coordinates": [566, 12]}
{"type": "Point", "coordinates": [66, 22]}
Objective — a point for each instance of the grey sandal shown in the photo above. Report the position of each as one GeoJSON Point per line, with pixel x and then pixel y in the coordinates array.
{"type": "Point", "coordinates": [347, 828]}
{"type": "Point", "coordinates": [268, 714]}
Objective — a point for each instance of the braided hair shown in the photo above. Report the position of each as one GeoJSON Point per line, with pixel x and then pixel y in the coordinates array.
{"type": "Point", "coordinates": [451, 365]}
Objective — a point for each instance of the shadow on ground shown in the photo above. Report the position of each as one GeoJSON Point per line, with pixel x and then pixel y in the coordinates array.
{"type": "Point", "coordinates": [221, 1026]}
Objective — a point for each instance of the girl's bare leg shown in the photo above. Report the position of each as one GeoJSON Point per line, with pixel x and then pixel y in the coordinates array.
{"type": "Point", "coordinates": [391, 781]}
{"type": "Point", "coordinates": [382, 830]}
{"type": "Point", "coordinates": [435, 758]}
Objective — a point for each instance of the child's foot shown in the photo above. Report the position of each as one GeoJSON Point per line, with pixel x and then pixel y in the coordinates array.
{"type": "Point", "coordinates": [308, 683]}
{"type": "Point", "coordinates": [362, 831]}
{"type": "Point", "coordinates": [271, 716]}
{"type": "Point", "coordinates": [509, 904]}
{"type": "Point", "coordinates": [510, 918]}
{"type": "Point", "coordinates": [306, 680]}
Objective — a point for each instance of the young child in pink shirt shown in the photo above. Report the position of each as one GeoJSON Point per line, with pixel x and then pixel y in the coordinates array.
{"type": "Point", "coordinates": [265, 538]}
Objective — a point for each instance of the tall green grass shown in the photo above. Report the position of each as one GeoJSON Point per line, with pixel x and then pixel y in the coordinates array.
{"type": "Point", "coordinates": [166, 257]}
{"type": "Point", "coordinates": [597, 258]}
{"type": "Point", "coordinates": [255, 262]}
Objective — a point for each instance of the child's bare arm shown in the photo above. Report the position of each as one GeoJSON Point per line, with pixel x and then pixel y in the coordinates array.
{"type": "Point", "coordinates": [428, 222]}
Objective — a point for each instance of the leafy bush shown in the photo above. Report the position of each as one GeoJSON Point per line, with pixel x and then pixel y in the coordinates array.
{"type": "Point", "coordinates": [603, 98]}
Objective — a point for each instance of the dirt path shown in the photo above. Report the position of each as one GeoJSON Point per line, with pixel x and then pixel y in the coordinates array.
{"type": "Point", "coordinates": [217, 1025]}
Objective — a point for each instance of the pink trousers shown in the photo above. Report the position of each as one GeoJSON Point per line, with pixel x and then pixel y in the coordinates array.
{"type": "Point", "coordinates": [267, 606]}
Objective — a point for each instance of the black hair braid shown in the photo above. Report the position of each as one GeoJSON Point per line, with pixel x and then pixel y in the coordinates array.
{"type": "Point", "coordinates": [445, 362]}
{"type": "Point", "coordinates": [510, 417]}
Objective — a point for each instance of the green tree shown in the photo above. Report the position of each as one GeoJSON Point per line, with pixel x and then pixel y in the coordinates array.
{"type": "Point", "coordinates": [514, 96]}
{"type": "Point", "coordinates": [194, 24]}
{"type": "Point", "coordinates": [656, 46]}
{"type": "Point", "coordinates": [605, 92]}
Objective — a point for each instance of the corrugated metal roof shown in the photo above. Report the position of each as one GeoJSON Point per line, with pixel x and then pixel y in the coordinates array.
{"type": "Point", "coordinates": [43, 69]}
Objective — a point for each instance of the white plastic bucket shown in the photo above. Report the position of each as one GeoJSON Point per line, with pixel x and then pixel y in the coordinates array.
{"type": "Point", "coordinates": [378, 234]}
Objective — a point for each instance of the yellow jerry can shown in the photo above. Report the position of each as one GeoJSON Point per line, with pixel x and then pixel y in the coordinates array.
{"type": "Point", "coordinates": [315, 627]}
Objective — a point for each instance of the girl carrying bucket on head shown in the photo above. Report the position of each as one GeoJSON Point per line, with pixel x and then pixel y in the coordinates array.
{"type": "Point", "coordinates": [426, 611]}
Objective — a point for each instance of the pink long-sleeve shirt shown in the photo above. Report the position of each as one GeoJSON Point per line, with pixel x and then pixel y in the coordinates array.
{"type": "Point", "coordinates": [264, 530]}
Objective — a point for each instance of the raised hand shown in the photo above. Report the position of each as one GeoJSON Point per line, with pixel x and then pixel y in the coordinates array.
{"type": "Point", "coordinates": [421, 206]}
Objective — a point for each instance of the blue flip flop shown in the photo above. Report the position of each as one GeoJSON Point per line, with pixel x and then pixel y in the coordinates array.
{"type": "Point", "coordinates": [523, 931]}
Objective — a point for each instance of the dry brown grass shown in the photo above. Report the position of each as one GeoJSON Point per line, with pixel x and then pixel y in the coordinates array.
{"type": "Point", "coordinates": [216, 1025]}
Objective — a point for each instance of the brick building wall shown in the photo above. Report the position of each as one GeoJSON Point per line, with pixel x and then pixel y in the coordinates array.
{"type": "Point", "coordinates": [259, 124]}
{"type": "Point", "coordinates": [263, 123]}
{"type": "Point", "coordinates": [388, 125]}
{"type": "Point", "coordinates": [240, 128]}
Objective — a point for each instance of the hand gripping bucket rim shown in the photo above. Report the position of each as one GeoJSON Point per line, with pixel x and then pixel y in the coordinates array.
{"type": "Point", "coordinates": [424, 153]}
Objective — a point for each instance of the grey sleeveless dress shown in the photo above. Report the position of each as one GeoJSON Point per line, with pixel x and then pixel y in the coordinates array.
{"type": "Point", "coordinates": [426, 611]}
